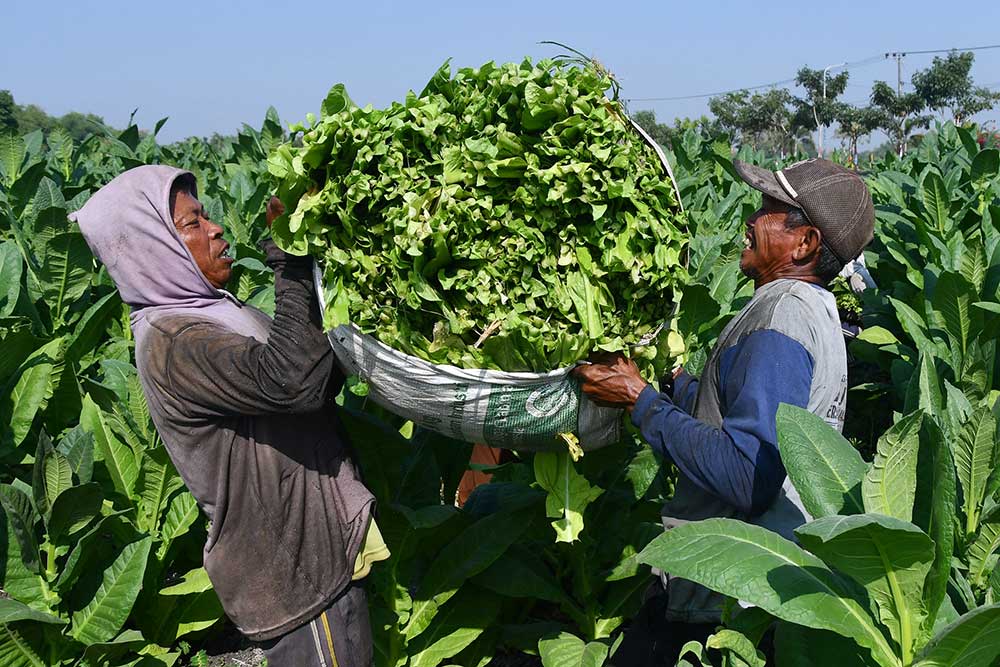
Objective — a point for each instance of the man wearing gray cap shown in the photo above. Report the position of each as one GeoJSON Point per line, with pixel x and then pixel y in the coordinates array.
{"type": "Point", "coordinates": [785, 346]}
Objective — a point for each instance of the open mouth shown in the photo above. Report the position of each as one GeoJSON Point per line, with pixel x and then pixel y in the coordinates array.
{"type": "Point", "coordinates": [225, 254]}
{"type": "Point", "coordinates": [748, 240]}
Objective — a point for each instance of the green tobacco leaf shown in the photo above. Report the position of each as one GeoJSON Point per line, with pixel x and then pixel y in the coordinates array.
{"type": "Point", "coordinates": [986, 164]}
{"type": "Point", "coordinates": [584, 297]}
{"type": "Point", "coordinates": [975, 452]}
{"type": "Point", "coordinates": [19, 582]}
{"type": "Point", "coordinates": [17, 648]}
{"type": "Point", "coordinates": [117, 457]}
{"type": "Point", "coordinates": [158, 480]}
{"type": "Point", "coordinates": [971, 641]}
{"type": "Point", "coordinates": [10, 276]}
{"type": "Point", "coordinates": [12, 610]}
{"type": "Point", "coordinates": [936, 199]}
{"type": "Point", "coordinates": [34, 388]}
{"type": "Point", "coordinates": [889, 557]}
{"type": "Point", "coordinates": [51, 475]}
{"type": "Point", "coordinates": [762, 568]}
{"type": "Point", "coordinates": [195, 581]}
{"type": "Point", "coordinates": [889, 487]}
{"type": "Point", "coordinates": [65, 271]}
{"type": "Point", "coordinates": [983, 547]}
{"type": "Point", "coordinates": [797, 646]}
{"type": "Point", "coordinates": [568, 491]}
{"type": "Point", "coordinates": [924, 389]}
{"type": "Point", "coordinates": [568, 650]}
{"type": "Point", "coordinates": [182, 511]}
{"type": "Point", "coordinates": [73, 509]}
{"type": "Point", "coordinates": [824, 467]}
{"type": "Point", "coordinates": [21, 517]}
{"type": "Point", "coordinates": [471, 552]}
{"type": "Point", "coordinates": [735, 645]}
{"type": "Point", "coordinates": [456, 626]}
{"type": "Point", "coordinates": [952, 299]}
{"type": "Point", "coordinates": [105, 613]}
{"type": "Point", "coordinates": [520, 573]}
{"type": "Point", "coordinates": [934, 513]}
{"type": "Point", "coordinates": [78, 447]}
{"type": "Point", "coordinates": [92, 327]}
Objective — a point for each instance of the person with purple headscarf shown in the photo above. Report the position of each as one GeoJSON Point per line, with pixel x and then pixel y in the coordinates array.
{"type": "Point", "coordinates": [244, 405]}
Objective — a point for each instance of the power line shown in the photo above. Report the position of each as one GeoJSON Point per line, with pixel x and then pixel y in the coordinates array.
{"type": "Point", "coordinates": [855, 64]}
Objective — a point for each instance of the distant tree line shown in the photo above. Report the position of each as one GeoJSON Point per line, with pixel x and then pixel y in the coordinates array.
{"type": "Point", "coordinates": [782, 123]}
{"type": "Point", "coordinates": [30, 117]}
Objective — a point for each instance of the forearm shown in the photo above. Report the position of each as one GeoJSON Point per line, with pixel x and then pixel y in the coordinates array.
{"type": "Point", "coordinates": [709, 456]}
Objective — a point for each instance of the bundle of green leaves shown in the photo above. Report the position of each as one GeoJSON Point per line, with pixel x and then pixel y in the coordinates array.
{"type": "Point", "coordinates": [507, 217]}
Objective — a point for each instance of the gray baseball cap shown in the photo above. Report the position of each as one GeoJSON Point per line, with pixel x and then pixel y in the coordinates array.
{"type": "Point", "coordinates": [833, 198]}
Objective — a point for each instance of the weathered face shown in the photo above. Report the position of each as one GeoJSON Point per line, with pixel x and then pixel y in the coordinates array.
{"type": "Point", "coordinates": [203, 238]}
{"type": "Point", "coordinates": [772, 251]}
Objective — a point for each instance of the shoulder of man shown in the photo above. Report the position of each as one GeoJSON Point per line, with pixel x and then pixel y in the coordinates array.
{"type": "Point", "coordinates": [801, 311]}
{"type": "Point", "coordinates": [164, 331]}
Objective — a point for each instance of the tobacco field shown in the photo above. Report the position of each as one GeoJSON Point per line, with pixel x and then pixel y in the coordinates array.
{"type": "Point", "coordinates": [100, 543]}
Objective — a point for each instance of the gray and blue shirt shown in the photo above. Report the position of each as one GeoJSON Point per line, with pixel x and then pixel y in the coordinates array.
{"type": "Point", "coordinates": [785, 346]}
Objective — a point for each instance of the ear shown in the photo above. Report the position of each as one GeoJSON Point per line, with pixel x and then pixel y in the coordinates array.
{"type": "Point", "coordinates": [809, 244]}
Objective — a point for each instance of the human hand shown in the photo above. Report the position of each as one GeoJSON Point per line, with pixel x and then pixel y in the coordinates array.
{"type": "Point", "coordinates": [274, 209]}
{"type": "Point", "coordinates": [610, 380]}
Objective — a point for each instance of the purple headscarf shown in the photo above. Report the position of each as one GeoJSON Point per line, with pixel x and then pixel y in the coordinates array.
{"type": "Point", "coordinates": [128, 226]}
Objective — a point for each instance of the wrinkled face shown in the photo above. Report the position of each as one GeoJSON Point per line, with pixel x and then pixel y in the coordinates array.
{"type": "Point", "coordinates": [769, 248]}
{"type": "Point", "coordinates": [203, 238]}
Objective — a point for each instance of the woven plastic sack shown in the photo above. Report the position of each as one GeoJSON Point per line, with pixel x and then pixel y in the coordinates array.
{"type": "Point", "coordinates": [526, 411]}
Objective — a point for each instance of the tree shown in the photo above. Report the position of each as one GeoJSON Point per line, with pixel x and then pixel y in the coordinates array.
{"type": "Point", "coordinates": [900, 113]}
{"type": "Point", "coordinates": [763, 119]}
{"type": "Point", "coordinates": [855, 123]}
{"type": "Point", "coordinates": [659, 132]}
{"type": "Point", "coordinates": [947, 85]}
{"type": "Point", "coordinates": [79, 125]}
{"type": "Point", "coordinates": [729, 112]}
{"type": "Point", "coordinates": [8, 112]}
{"type": "Point", "coordinates": [818, 109]}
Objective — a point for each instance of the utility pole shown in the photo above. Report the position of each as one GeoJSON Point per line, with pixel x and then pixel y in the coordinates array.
{"type": "Point", "coordinates": [898, 55]}
{"type": "Point", "coordinates": [821, 126]}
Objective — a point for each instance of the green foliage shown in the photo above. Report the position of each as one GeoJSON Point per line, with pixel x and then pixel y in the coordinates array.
{"type": "Point", "coordinates": [508, 217]}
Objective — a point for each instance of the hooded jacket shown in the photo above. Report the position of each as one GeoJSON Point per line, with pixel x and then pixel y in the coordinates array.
{"type": "Point", "coordinates": [243, 405]}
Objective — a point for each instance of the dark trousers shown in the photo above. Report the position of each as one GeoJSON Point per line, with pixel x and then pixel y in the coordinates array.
{"type": "Point", "coordinates": [339, 637]}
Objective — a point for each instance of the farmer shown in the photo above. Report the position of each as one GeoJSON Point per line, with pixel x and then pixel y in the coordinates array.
{"type": "Point", "coordinates": [244, 406]}
{"type": "Point", "coordinates": [785, 346]}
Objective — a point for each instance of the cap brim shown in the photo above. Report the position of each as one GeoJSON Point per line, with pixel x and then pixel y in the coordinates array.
{"type": "Point", "coordinates": [763, 180]}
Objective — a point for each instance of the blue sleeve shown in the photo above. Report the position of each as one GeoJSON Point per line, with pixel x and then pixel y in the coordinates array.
{"type": "Point", "coordinates": [738, 462]}
{"type": "Point", "coordinates": [685, 391]}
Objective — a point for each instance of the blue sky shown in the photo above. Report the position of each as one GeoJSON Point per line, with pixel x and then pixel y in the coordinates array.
{"type": "Point", "coordinates": [211, 65]}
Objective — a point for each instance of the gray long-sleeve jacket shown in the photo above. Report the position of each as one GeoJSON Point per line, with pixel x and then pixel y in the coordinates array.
{"type": "Point", "coordinates": [253, 432]}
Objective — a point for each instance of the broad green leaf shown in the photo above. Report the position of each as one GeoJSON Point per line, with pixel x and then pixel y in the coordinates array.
{"type": "Point", "coordinates": [158, 480]}
{"type": "Point", "coordinates": [65, 271]}
{"type": "Point", "coordinates": [88, 332]}
{"type": "Point", "coordinates": [51, 475]}
{"type": "Point", "coordinates": [17, 649]}
{"type": "Point", "coordinates": [585, 301]}
{"type": "Point", "coordinates": [975, 452]}
{"type": "Point", "coordinates": [889, 557]}
{"type": "Point", "coordinates": [195, 612]}
{"type": "Point", "coordinates": [520, 573]}
{"type": "Point", "coordinates": [195, 581]}
{"type": "Point", "coordinates": [890, 484]}
{"type": "Point", "coordinates": [73, 509]}
{"type": "Point", "coordinates": [468, 554]}
{"type": "Point", "coordinates": [824, 467]}
{"type": "Point", "coordinates": [106, 612]}
{"type": "Point", "coordinates": [762, 568]}
{"type": "Point", "coordinates": [953, 297]}
{"type": "Point", "coordinates": [34, 388]}
{"type": "Point", "coordinates": [12, 610]}
{"type": "Point", "coordinates": [21, 517]}
{"type": "Point", "coordinates": [971, 641]}
{"type": "Point", "coordinates": [88, 549]}
{"type": "Point", "coordinates": [182, 510]}
{"type": "Point", "coordinates": [934, 513]}
{"type": "Point", "coordinates": [986, 164]}
{"type": "Point", "coordinates": [78, 447]}
{"type": "Point", "coordinates": [734, 644]}
{"type": "Point", "coordinates": [936, 199]}
{"type": "Point", "coordinates": [568, 650]}
{"type": "Point", "coordinates": [797, 646]}
{"type": "Point", "coordinates": [878, 336]}
{"type": "Point", "coordinates": [116, 457]}
{"type": "Point", "coordinates": [924, 390]}
{"type": "Point", "coordinates": [985, 545]}
{"type": "Point", "coordinates": [21, 583]}
{"type": "Point", "coordinates": [10, 276]}
{"type": "Point", "coordinates": [568, 491]}
{"type": "Point", "coordinates": [456, 626]}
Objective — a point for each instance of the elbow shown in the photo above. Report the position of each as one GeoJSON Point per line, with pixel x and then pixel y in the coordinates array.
{"type": "Point", "coordinates": [762, 497]}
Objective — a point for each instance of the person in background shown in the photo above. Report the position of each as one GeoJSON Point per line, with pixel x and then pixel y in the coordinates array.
{"type": "Point", "coordinates": [243, 404]}
{"type": "Point", "coordinates": [784, 346]}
